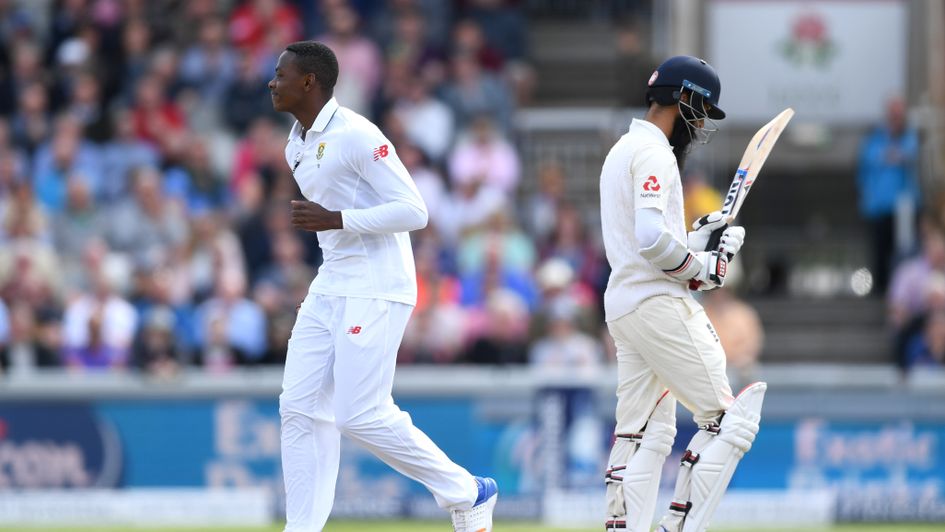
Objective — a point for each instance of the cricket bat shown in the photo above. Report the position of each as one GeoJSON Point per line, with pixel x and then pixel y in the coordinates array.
{"type": "Point", "coordinates": [752, 160]}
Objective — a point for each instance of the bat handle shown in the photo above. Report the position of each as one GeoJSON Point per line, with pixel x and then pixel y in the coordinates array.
{"type": "Point", "coordinates": [715, 238]}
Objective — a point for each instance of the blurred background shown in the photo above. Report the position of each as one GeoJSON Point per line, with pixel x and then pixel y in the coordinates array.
{"type": "Point", "coordinates": [149, 274]}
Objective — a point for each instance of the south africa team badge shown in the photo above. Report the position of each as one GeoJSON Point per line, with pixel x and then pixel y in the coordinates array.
{"type": "Point", "coordinates": [321, 151]}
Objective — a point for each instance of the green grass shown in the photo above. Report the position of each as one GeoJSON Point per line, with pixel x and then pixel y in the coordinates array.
{"type": "Point", "coordinates": [434, 526]}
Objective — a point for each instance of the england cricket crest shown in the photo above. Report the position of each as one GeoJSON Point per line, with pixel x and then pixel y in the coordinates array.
{"type": "Point", "coordinates": [321, 151]}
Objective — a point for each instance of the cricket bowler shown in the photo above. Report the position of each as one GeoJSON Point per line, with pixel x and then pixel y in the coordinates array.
{"type": "Point", "coordinates": [339, 369]}
{"type": "Point", "coordinates": [666, 347]}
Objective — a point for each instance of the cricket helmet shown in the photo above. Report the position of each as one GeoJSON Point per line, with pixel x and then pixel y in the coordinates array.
{"type": "Point", "coordinates": [686, 72]}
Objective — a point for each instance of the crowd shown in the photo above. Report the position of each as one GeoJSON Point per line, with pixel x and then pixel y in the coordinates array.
{"type": "Point", "coordinates": [144, 191]}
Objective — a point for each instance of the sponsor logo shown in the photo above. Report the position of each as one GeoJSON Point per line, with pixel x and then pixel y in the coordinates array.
{"type": "Point", "coordinates": [714, 334]}
{"type": "Point", "coordinates": [381, 152]}
{"type": "Point", "coordinates": [321, 151]}
{"type": "Point", "coordinates": [354, 330]}
{"type": "Point", "coordinates": [651, 184]}
{"type": "Point", "coordinates": [653, 77]}
{"type": "Point", "coordinates": [722, 267]}
{"type": "Point", "coordinates": [57, 446]}
{"type": "Point", "coordinates": [809, 43]}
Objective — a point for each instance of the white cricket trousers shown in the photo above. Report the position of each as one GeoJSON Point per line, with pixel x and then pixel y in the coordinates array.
{"type": "Point", "coordinates": [339, 373]}
{"type": "Point", "coordinates": [668, 343]}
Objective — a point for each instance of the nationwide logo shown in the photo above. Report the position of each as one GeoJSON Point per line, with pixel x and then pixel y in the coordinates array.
{"type": "Point", "coordinates": [651, 184]}
{"type": "Point", "coordinates": [810, 43]}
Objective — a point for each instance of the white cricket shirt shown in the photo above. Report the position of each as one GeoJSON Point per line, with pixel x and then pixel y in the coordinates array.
{"type": "Point", "coordinates": [639, 172]}
{"type": "Point", "coordinates": [346, 164]}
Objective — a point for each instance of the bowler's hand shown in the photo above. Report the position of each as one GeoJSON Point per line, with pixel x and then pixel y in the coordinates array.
{"type": "Point", "coordinates": [310, 216]}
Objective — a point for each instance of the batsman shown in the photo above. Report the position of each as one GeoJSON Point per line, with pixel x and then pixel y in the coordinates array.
{"type": "Point", "coordinates": [666, 348]}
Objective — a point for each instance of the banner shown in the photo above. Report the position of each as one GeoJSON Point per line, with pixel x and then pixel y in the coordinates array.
{"type": "Point", "coordinates": [557, 444]}
{"type": "Point", "coordinates": [834, 62]}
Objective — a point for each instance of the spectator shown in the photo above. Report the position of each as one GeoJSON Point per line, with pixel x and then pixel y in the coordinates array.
{"type": "Point", "coordinates": [195, 183]}
{"type": "Point", "coordinates": [503, 340]}
{"type": "Point", "coordinates": [888, 180]}
{"type": "Point", "coordinates": [161, 286]}
{"type": "Point", "coordinates": [410, 44]}
{"type": "Point", "coordinates": [740, 332]}
{"type": "Point", "coordinates": [429, 182]}
{"type": "Point", "coordinates": [260, 154]}
{"type": "Point", "coordinates": [121, 155]}
{"type": "Point", "coordinates": [156, 349]}
{"type": "Point", "coordinates": [478, 285]}
{"type": "Point", "coordinates": [209, 65]}
{"type": "Point", "coordinates": [435, 333]}
{"type": "Point", "coordinates": [927, 348]}
{"type": "Point", "coordinates": [231, 329]}
{"type": "Point", "coordinates": [359, 60]}
{"type": "Point", "coordinates": [571, 242]}
{"type": "Point", "coordinates": [428, 122]}
{"type": "Point", "coordinates": [135, 53]}
{"type": "Point", "coordinates": [86, 107]}
{"type": "Point", "coordinates": [565, 347]}
{"type": "Point", "coordinates": [484, 155]}
{"type": "Point", "coordinates": [22, 217]}
{"type": "Point", "coordinates": [541, 208]}
{"type": "Point", "coordinates": [31, 123]}
{"type": "Point", "coordinates": [35, 340]}
{"type": "Point", "coordinates": [95, 352]}
{"type": "Point", "coordinates": [65, 157]}
{"type": "Point", "coordinates": [473, 92]}
{"type": "Point", "coordinates": [913, 289]}
{"type": "Point", "coordinates": [634, 66]}
{"type": "Point", "coordinates": [501, 240]}
{"type": "Point", "coordinates": [251, 21]}
{"type": "Point", "coordinates": [100, 325]}
{"type": "Point", "coordinates": [247, 98]}
{"type": "Point", "coordinates": [699, 198]}
{"type": "Point", "coordinates": [468, 39]}
{"type": "Point", "coordinates": [157, 120]}
{"type": "Point", "coordinates": [214, 250]}
{"type": "Point", "coordinates": [468, 208]}
{"type": "Point", "coordinates": [145, 225]}
{"type": "Point", "coordinates": [503, 25]}
{"type": "Point", "coordinates": [76, 226]}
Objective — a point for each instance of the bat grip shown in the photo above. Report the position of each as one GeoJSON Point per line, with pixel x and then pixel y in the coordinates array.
{"type": "Point", "coordinates": [715, 238]}
{"type": "Point", "coordinates": [712, 245]}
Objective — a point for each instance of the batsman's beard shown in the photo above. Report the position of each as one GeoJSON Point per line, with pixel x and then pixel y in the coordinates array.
{"type": "Point", "coordinates": [681, 140]}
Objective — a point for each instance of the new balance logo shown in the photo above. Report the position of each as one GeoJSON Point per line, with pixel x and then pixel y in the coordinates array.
{"type": "Point", "coordinates": [380, 152]}
{"type": "Point", "coordinates": [354, 330]}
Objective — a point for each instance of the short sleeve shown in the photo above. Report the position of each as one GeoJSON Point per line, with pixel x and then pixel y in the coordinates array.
{"type": "Point", "coordinates": [653, 171]}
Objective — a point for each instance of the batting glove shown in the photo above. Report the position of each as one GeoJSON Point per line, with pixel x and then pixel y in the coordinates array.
{"type": "Point", "coordinates": [698, 240]}
{"type": "Point", "coordinates": [712, 273]}
{"type": "Point", "coordinates": [732, 240]}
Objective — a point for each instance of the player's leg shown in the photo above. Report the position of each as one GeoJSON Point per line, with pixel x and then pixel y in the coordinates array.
{"type": "Point", "coordinates": [646, 427]}
{"type": "Point", "coordinates": [679, 343]}
{"type": "Point", "coordinates": [368, 336]}
{"type": "Point", "coordinates": [310, 440]}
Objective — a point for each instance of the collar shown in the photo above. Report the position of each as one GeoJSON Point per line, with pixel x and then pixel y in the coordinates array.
{"type": "Point", "coordinates": [321, 121]}
{"type": "Point", "coordinates": [650, 129]}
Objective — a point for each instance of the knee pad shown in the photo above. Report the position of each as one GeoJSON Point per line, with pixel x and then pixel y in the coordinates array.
{"type": "Point", "coordinates": [710, 460]}
{"type": "Point", "coordinates": [636, 462]}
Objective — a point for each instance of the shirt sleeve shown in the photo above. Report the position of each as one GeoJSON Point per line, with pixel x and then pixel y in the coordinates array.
{"type": "Point", "coordinates": [653, 170]}
{"type": "Point", "coordinates": [373, 157]}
